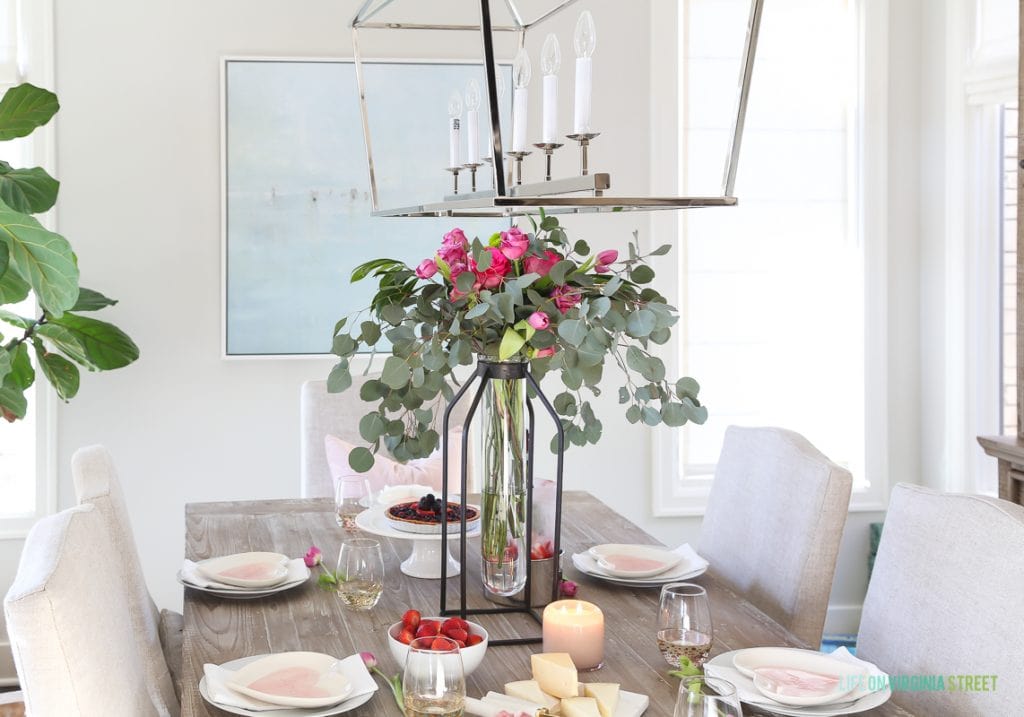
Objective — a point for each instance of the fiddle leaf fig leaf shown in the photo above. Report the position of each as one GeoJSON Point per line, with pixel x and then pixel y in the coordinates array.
{"type": "Point", "coordinates": [89, 300]}
{"type": "Point", "coordinates": [25, 107]}
{"type": "Point", "coordinates": [42, 258]}
{"type": "Point", "coordinates": [61, 373]}
{"type": "Point", "coordinates": [104, 345]}
{"type": "Point", "coordinates": [29, 191]}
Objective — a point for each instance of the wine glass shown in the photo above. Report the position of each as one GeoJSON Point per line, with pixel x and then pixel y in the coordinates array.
{"type": "Point", "coordinates": [684, 623]}
{"type": "Point", "coordinates": [701, 696]}
{"type": "Point", "coordinates": [434, 683]}
{"type": "Point", "coordinates": [348, 496]}
{"type": "Point", "coordinates": [360, 573]}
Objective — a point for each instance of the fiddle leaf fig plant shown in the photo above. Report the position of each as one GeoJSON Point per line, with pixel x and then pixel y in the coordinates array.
{"type": "Point", "coordinates": [38, 262]}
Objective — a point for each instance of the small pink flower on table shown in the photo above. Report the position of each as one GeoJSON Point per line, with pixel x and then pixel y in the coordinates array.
{"type": "Point", "coordinates": [541, 265]}
{"type": "Point", "coordinates": [539, 320]}
{"type": "Point", "coordinates": [514, 243]}
{"type": "Point", "coordinates": [426, 269]}
{"type": "Point", "coordinates": [313, 557]}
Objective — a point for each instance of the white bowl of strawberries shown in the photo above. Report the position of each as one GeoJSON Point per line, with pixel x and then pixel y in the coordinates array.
{"type": "Point", "coordinates": [470, 637]}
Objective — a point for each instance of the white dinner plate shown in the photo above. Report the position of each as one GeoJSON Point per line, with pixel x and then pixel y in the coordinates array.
{"type": "Point", "coordinates": [860, 700]}
{"type": "Point", "coordinates": [282, 678]}
{"type": "Point", "coordinates": [634, 561]}
{"type": "Point", "coordinates": [346, 706]}
{"type": "Point", "coordinates": [243, 593]}
{"type": "Point", "coordinates": [246, 570]}
{"type": "Point", "coordinates": [686, 570]}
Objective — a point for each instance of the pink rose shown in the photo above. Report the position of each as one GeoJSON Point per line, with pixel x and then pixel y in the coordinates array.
{"type": "Point", "coordinates": [539, 320]}
{"type": "Point", "coordinates": [566, 297]}
{"type": "Point", "coordinates": [541, 264]}
{"type": "Point", "coordinates": [607, 257]}
{"type": "Point", "coordinates": [456, 269]}
{"type": "Point", "coordinates": [568, 588]}
{"type": "Point", "coordinates": [453, 248]}
{"type": "Point", "coordinates": [426, 269]}
{"type": "Point", "coordinates": [314, 557]}
{"type": "Point", "coordinates": [514, 243]}
{"type": "Point", "coordinates": [544, 353]}
{"type": "Point", "coordinates": [492, 277]}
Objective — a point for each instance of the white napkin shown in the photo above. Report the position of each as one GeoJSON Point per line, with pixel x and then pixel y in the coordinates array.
{"type": "Point", "coordinates": [691, 563]}
{"type": "Point", "coordinates": [747, 692]}
{"type": "Point", "coordinates": [217, 677]}
{"type": "Point", "coordinates": [297, 570]}
{"type": "Point", "coordinates": [391, 494]}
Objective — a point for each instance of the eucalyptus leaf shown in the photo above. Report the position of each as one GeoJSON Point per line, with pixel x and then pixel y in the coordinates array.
{"type": "Point", "coordinates": [394, 314]}
{"type": "Point", "coordinates": [465, 281]}
{"type": "Point", "coordinates": [360, 459]}
{"type": "Point", "coordinates": [673, 414]}
{"type": "Point", "coordinates": [640, 323]}
{"type": "Point", "coordinates": [369, 332]}
{"type": "Point", "coordinates": [561, 270]}
{"type": "Point", "coordinates": [650, 416]}
{"type": "Point", "coordinates": [662, 250]}
{"type": "Point", "coordinates": [642, 274]}
{"type": "Point", "coordinates": [396, 372]}
{"type": "Point", "coordinates": [687, 386]}
{"type": "Point", "coordinates": [344, 345]}
{"type": "Point", "coordinates": [483, 262]}
{"type": "Point", "coordinates": [477, 311]}
{"type": "Point", "coordinates": [340, 378]}
{"type": "Point", "coordinates": [371, 427]}
{"type": "Point", "coordinates": [574, 331]}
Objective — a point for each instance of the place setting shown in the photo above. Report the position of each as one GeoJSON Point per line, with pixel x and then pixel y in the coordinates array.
{"type": "Point", "coordinates": [244, 576]}
{"type": "Point", "coordinates": [640, 566]}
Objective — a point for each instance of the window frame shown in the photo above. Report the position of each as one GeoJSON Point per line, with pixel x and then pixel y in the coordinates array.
{"type": "Point", "coordinates": [670, 496]}
{"type": "Point", "coordinates": [36, 53]}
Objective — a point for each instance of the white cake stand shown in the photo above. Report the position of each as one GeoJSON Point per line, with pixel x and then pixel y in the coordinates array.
{"type": "Point", "coordinates": [425, 560]}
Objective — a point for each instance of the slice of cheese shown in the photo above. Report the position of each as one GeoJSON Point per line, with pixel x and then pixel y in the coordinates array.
{"type": "Point", "coordinates": [606, 694]}
{"type": "Point", "coordinates": [555, 673]}
{"type": "Point", "coordinates": [530, 691]}
{"type": "Point", "coordinates": [580, 707]}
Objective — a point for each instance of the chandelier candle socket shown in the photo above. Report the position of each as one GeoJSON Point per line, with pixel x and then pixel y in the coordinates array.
{"type": "Point", "coordinates": [521, 72]}
{"type": "Point", "coordinates": [584, 41]}
{"type": "Point", "coordinates": [575, 627]}
{"type": "Point", "coordinates": [454, 122]}
{"type": "Point", "coordinates": [473, 125]}
{"type": "Point", "coordinates": [550, 62]}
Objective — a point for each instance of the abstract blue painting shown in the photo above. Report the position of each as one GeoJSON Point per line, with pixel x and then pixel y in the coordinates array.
{"type": "Point", "coordinates": [297, 196]}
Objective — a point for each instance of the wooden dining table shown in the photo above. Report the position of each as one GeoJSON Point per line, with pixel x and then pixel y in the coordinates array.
{"type": "Point", "coordinates": [309, 618]}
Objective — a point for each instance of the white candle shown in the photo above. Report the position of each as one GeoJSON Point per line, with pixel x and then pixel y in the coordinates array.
{"type": "Point", "coordinates": [581, 116]}
{"type": "Point", "coordinates": [453, 142]}
{"type": "Point", "coordinates": [550, 132]}
{"type": "Point", "coordinates": [519, 107]}
{"type": "Point", "coordinates": [472, 137]}
{"type": "Point", "coordinates": [576, 627]}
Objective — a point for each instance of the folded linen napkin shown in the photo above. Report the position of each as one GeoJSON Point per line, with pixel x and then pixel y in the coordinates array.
{"type": "Point", "coordinates": [297, 570]}
{"type": "Point", "coordinates": [747, 692]}
{"type": "Point", "coordinates": [217, 677]}
{"type": "Point", "coordinates": [691, 563]}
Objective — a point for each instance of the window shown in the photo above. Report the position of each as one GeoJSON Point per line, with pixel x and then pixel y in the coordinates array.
{"type": "Point", "coordinates": [27, 479]}
{"type": "Point", "coordinates": [772, 299]}
{"type": "Point", "coordinates": [1008, 266]}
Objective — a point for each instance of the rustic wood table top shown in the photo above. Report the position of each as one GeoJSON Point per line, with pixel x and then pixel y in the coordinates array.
{"type": "Point", "coordinates": [308, 618]}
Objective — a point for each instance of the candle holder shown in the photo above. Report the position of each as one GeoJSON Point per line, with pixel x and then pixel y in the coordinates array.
{"type": "Point", "coordinates": [518, 157]}
{"type": "Point", "coordinates": [549, 149]}
{"type": "Point", "coordinates": [455, 178]}
{"type": "Point", "coordinates": [584, 142]}
{"type": "Point", "coordinates": [471, 166]}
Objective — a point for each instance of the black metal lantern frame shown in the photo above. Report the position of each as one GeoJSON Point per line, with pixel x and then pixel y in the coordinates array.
{"type": "Point", "coordinates": [487, 371]}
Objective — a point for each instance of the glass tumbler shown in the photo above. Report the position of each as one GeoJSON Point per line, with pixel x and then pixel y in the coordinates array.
{"type": "Point", "coordinates": [360, 573]}
{"type": "Point", "coordinates": [684, 623]}
{"type": "Point", "coordinates": [434, 682]}
{"type": "Point", "coordinates": [707, 697]}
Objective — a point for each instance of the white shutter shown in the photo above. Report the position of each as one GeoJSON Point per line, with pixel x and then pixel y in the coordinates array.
{"type": "Point", "coordinates": [9, 72]}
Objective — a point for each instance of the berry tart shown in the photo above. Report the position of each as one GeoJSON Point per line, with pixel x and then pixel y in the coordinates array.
{"type": "Point", "coordinates": [424, 515]}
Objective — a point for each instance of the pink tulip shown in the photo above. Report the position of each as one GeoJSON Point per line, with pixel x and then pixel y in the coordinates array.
{"type": "Point", "coordinates": [602, 269]}
{"type": "Point", "coordinates": [539, 320]}
{"type": "Point", "coordinates": [541, 264]}
{"type": "Point", "coordinates": [368, 659]}
{"type": "Point", "coordinates": [426, 269]}
{"type": "Point", "coordinates": [544, 353]}
{"type": "Point", "coordinates": [566, 297]}
{"type": "Point", "coordinates": [514, 243]}
{"type": "Point", "coordinates": [609, 256]}
{"type": "Point", "coordinates": [314, 557]}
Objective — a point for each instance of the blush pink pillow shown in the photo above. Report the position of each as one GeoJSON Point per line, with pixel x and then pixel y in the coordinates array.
{"type": "Point", "coordinates": [387, 471]}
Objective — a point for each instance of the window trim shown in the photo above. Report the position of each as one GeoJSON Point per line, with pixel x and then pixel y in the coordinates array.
{"type": "Point", "coordinates": [668, 497]}
{"type": "Point", "coordinates": [37, 60]}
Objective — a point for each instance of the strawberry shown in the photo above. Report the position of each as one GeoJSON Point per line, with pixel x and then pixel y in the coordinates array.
{"type": "Point", "coordinates": [406, 636]}
{"type": "Point", "coordinates": [441, 643]}
{"type": "Point", "coordinates": [474, 640]}
{"type": "Point", "coordinates": [427, 628]}
{"type": "Point", "coordinates": [461, 644]}
{"type": "Point", "coordinates": [542, 551]}
{"type": "Point", "coordinates": [454, 623]}
{"type": "Point", "coordinates": [411, 619]}
{"type": "Point", "coordinates": [457, 634]}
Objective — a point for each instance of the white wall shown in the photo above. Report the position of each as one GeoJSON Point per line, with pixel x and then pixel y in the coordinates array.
{"type": "Point", "coordinates": [138, 142]}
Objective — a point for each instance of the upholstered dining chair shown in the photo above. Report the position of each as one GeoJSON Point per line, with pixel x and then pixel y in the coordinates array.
{"type": "Point", "coordinates": [158, 633]}
{"type": "Point", "coordinates": [944, 599]}
{"type": "Point", "coordinates": [75, 653]}
{"type": "Point", "coordinates": [773, 524]}
{"type": "Point", "coordinates": [326, 414]}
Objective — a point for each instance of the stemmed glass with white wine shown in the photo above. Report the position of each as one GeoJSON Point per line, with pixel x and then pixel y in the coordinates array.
{"type": "Point", "coordinates": [434, 682]}
{"type": "Point", "coordinates": [684, 623]}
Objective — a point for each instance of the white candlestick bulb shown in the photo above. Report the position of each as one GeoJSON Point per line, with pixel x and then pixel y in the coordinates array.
{"type": "Point", "coordinates": [584, 41]}
{"type": "Point", "coordinates": [550, 62]}
{"type": "Point", "coordinates": [472, 122]}
{"type": "Point", "coordinates": [521, 71]}
{"type": "Point", "coordinates": [454, 124]}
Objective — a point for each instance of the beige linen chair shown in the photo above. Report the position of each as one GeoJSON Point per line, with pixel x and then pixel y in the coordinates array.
{"type": "Point", "coordinates": [75, 652]}
{"type": "Point", "coordinates": [773, 524]}
{"type": "Point", "coordinates": [338, 414]}
{"type": "Point", "coordinates": [944, 599]}
{"type": "Point", "coordinates": [158, 633]}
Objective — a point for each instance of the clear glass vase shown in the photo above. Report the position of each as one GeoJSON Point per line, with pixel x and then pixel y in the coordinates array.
{"type": "Point", "coordinates": [504, 546]}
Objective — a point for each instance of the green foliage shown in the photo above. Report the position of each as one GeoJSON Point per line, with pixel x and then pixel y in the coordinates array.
{"type": "Point", "coordinates": [36, 260]}
{"type": "Point", "coordinates": [591, 315]}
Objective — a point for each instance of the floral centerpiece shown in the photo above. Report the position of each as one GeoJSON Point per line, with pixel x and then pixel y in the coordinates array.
{"type": "Point", "coordinates": [533, 298]}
